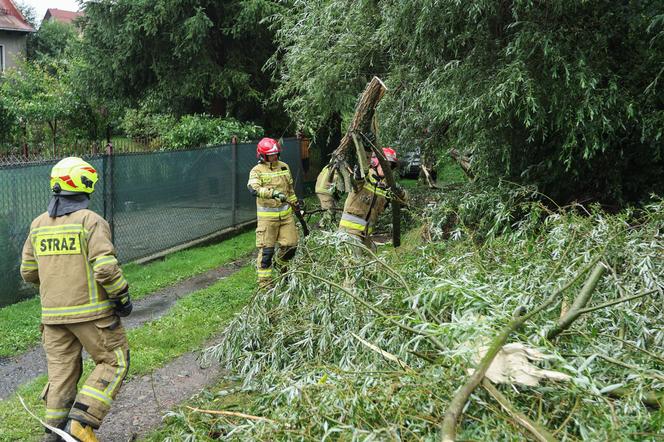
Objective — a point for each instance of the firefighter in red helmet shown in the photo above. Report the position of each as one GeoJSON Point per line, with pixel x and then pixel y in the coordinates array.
{"type": "Point", "coordinates": [271, 182]}
{"type": "Point", "coordinates": [368, 198]}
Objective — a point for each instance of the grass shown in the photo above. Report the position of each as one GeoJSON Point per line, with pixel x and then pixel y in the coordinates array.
{"type": "Point", "coordinates": [223, 396]}
{"type": "Point", "coordinates": [449, 172]}
{"type": "Point", "coordinates": [192, 321]}
{"type": "Point", "coordinates": [19, 323]}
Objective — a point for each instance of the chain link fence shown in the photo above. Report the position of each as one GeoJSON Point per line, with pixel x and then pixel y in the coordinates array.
{"type": "Point", "coordinates": [153, 200]}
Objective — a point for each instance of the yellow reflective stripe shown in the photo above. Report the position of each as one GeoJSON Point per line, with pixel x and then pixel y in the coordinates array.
{"type": "Point", "coordinates": [268, 214]}
{"type": "Point", "coordinates": [64, 228]}
{"type": "Point", "coordinates": [292, 198]}
{"type": "Point", "coordinates": [106, 260]}
{"type": "Point", "coordinates": [116, 286]}
{"type": "Point", "coordinates": [265, 193]}
{"type": "Point", "coordinates": [354, 226]}
{"type": "Point", "coordinates": [264, 273]}
{"type": "Point", "coordinates": [93, 293]}
{"type": "Point", "coordinates": [96, 394]}
{"type": "Point", "coordinates": [120, 372]}
{"type": "Point", "coordinates": [29, 264]}
{"type": "Point", "coordinates": [273, 212]}
{"type": "Point", "coordinates": [55, 413]}
{"type": "Point", "coordinates": [273, 209]}
{"type": "Point", "coordinates": [76, 309]}
{"type": "Point", "coordinates": [254, 181]}
{"type": "Point", "coordinates": [275, 174]}
{"type": "Point", "coordinates": [373, 189]}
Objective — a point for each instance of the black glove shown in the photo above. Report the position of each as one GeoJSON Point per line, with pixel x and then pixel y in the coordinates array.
{"type": "Point", "coordinates": [299, 206]}
{"type": "Point", "coordinates": [122, 304]}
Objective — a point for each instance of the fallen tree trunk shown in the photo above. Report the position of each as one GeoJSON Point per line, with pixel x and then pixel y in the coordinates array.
{"type": "Point", "coordinates": [364, 114]}
{"type": "Point", "coordinates": [428, 177]}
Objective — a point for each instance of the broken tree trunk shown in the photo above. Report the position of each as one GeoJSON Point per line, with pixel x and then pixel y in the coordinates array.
{"type": "Point", "coordinates": [364, 114]}
{"type": "Point", "coordinates": [428, 177]}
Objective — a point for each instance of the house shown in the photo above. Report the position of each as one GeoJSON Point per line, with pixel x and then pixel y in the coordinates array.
{"type": "Point", "coordinates": [14, 30]}
{"type": "Point", "coordinates": [62, 16]}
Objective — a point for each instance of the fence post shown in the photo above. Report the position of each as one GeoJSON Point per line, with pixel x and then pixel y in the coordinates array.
{"type": "Point", "coordinates": [234, 180]}
{"type": "Point", "coordinates": [109, 197]}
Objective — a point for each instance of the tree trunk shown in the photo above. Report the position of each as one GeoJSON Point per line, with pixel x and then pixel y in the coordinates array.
{"type": "Point", "coordinates": [54, 128]}
{"type": "Point", "coordinates": [364, 114]}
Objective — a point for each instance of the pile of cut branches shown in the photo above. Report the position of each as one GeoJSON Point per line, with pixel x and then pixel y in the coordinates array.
{"type": "Point", "coordinates": [355, 345]}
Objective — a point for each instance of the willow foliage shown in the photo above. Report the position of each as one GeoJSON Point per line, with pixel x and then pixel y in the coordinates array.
{"type": "Point", "coordinates": [563, 94]}
{"type": "Point", "coordinates": [296, 347]}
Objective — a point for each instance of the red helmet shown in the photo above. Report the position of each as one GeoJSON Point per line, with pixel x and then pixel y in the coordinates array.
{"type": "Point", "coordinates": [267, 146]}
{"type": "Point", "coordinates": [390, 155]}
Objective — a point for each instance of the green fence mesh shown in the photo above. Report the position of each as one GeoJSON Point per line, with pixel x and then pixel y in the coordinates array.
{"type": "Point", "coordinates": [153, 201]}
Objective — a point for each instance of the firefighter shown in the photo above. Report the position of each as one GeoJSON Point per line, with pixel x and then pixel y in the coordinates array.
{"type": "Point", "coordinates": [329, 187]}
{"type": "Point", "coordinates": [367, 199]}
{"type": "Point", "coordinates": [271, 183]}
{"type": "Point", "coordinates": [83, 293]}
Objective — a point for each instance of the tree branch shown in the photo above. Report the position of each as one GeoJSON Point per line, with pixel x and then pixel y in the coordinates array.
{"type": "Point", "coordinates": [540, 433]}
{"type": "Point", "coordinates": [377, 311]}
{"type": "Point", "coordinates": [455, 409]}
{"type": "Point", "coordinates": [579, 302]}
{"type": "Point", "coordinates": [616, 301]}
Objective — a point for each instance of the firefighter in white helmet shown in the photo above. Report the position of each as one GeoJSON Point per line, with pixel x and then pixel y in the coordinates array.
{"type": "Point", "coordinates": [271, 182]}
{"type": "Point", "coordinates": [83, 293]}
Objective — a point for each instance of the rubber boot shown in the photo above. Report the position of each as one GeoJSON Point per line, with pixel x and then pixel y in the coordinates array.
{"type": "Point", "coordinates": [81, 431]}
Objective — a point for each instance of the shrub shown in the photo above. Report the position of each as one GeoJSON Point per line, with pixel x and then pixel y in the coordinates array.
{"type": "Point", "coordinates": [140, 124]}
{"type": "Point", "coordinates": [202, 130]}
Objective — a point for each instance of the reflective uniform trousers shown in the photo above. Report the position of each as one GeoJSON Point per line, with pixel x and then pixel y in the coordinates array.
{"type": "Point", "coordinates": [269, 233]}
{"type": "Point", "coordinates": [106, 342]}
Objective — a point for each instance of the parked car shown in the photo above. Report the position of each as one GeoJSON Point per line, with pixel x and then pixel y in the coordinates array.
{"type": "Point", "coordinates": [410, 165]}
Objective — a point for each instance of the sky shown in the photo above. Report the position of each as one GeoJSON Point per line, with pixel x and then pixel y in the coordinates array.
{"type": "Point", "coordinates": [41, 6]}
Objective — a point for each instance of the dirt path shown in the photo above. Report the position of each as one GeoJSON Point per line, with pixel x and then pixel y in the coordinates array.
{"type": "Point", "coordinates": [18, 370]}
{"type": "Point", "coordinates": [143, 401]}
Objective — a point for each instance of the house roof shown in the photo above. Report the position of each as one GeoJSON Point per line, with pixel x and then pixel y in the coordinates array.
{"type": "Point", "coordinates": [11, 18]}
{"type": "Point", "coordinates": [61, 15]}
